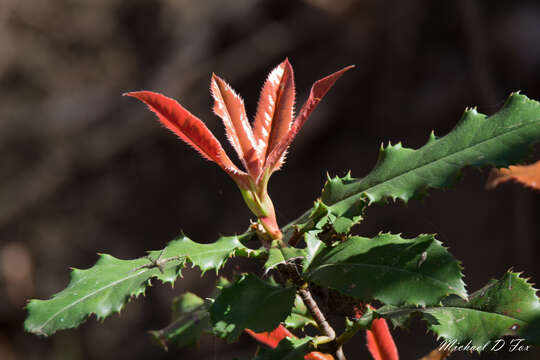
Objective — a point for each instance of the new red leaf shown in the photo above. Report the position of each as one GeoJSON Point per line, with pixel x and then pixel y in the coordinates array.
{"type": "Point", "coordinates": [189, 128]}
{"type": "Point", "coordinates": [230, 108]}
{"type": "Point", "coordinates": [275, 108]}
{"type": "Point", "coordinates": [528, 175]}
{"type": "Point", "coordinates": [271, 338]}
{"type": "Point", "coordinates": [318, 91]}
{"type": "Point", "coordinates": [380, 342]}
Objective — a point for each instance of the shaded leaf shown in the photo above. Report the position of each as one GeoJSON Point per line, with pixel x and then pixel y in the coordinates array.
{"type": "Point", "coordinates": [190, 320]}
{"type": "Point", "coordinates": [288, 349]}
{"type": "Point", "coordinates": [300, 316]}
{"type": "Point", "coordinates": [250, 303]}
{"type": "Point", "coordinates": [389, 268]}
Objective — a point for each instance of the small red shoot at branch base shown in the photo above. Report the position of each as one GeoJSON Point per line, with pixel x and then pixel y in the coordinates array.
{"type": "Point", "coordinates": [261, 148]}
{"type": "Point", "coordinates": [380, 342]}
{"type": "Point", "coordinates": [272, 339]}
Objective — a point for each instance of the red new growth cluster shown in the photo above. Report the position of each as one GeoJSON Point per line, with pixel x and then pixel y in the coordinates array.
{"type": "Point", "coordinates": [262, 147]}
{"type": "Point", "coordinates": [272, 339]}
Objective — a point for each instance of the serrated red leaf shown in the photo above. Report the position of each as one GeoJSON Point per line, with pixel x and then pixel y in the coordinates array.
{"type": "Point", "coordinates": [380, 342]}
{"type": "Point", "coordinates": [229, 106]}
{"type": "Point", "coordinates": [271, 338]}
{"type": "Point", "coordinates": [275, 108]}
{"type": "Point", "coordinates": [189, 128]}
{"type": "Point", "coordinates": [528, 175]}
{"type": "Point", "coordinates": [318, 91]}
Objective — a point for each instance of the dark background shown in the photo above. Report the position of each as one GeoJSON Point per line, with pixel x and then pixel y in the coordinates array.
{"type": "Point", "coordinates": [84, 170]}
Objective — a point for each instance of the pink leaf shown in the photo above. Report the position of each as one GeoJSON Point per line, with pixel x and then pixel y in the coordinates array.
{"type": "Point", "coordinates": [275, 108]}
{"type": "Point", "coordinates": [230, 108]}
{"type": "Point", "coordinates": [318, 91]}
{"type": "Point", "coordinates": [189, 128]}
{"type": "Point", "coordinates": [528, 175]}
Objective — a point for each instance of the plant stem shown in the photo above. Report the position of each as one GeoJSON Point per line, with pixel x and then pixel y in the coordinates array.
{"type": "Point", "coordinates": [317, 314]}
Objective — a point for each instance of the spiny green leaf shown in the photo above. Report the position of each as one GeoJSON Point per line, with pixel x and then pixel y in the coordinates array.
{"type": "Point", "coordinates": [288, 349]}
{"type": "Point", "coordinates": [250, 303]}
{"type": "Point", "coordinates": [500, 309]}
{"type": "Point", "coordinates": [104, 288]}
{"type": "Point", "coordinates": [101, 290]}
{"type": "Point", "coordinates": [501, 140]}
{"type": "Point", "coordinates": [300, 316]}
{"type": "Point", "coordinates": [389, 268]}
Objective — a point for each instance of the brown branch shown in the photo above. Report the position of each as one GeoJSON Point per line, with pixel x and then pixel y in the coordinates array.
{"type": "Point", "coordinates": [317, 314]}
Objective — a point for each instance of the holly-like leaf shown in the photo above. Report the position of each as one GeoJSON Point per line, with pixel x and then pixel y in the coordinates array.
{"type": "Point", "coordinates": [104, 288]}
{"type": "Point", "coordinates": [288, 349]}
{"type": "Point", "coordinates": [389, 268]}
{"type": "Point", "coordinates": [528, 175]}
{"type": "Point", "coordinates": [501, 308]}
{"type": "Point", "coordinates": [501, 139]}
{"type": "Point", "coordinates": [250, 303]}
{"type": "Point", "coordinates": [190, 320]}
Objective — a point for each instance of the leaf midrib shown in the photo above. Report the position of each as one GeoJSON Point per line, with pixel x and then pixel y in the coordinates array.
{"type": "Point", "coordinates": [359, 193]}
{"type": "Point", "coordinates": [40, 328]}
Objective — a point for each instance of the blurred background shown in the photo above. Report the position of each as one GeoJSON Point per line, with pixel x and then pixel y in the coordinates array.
{"type": "Point", "coordinates": [84, 170]}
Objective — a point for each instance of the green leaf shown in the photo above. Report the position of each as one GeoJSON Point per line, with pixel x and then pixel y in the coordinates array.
{"type": "Point", "coordinates": [300, 316]}
{"type": "Point", "coordinates": [288, 349]}
{"type": "Point", "coordinates": [250, 303]}
{"type": "Point", "coordinates": [390, 269]}
{"type": "Point", "coordinates": [104, 288]}
{"type": "Point", "coordinates": [190, 320]}
{"type": "Point", "coordinates": [280, 255]}
{"type": "Point", "coordinates": [502, 308]}
{"type": "Point", "coordinates": [402, 173]}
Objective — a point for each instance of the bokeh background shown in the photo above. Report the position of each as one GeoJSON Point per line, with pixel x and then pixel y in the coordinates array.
{"type": "Point", "coordinates": [84, 170]}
